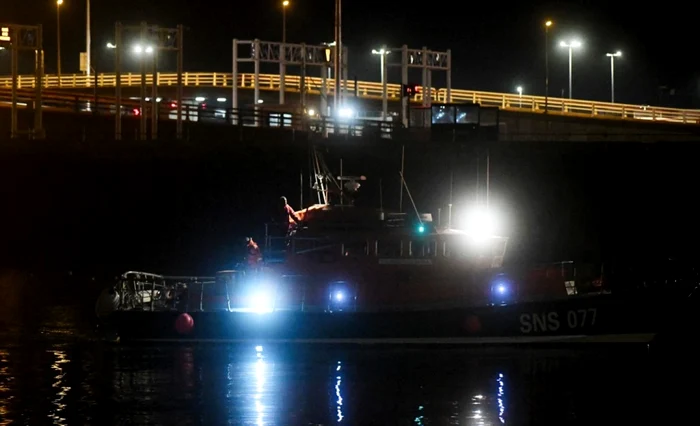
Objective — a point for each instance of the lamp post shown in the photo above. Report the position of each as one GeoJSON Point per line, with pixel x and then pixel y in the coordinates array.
{"type": "Point", "coordinates": [519, 89]}
{"type": "Point", "coordinates": [382, 63]}
{"type": "Point", "coordinates": [612, 57]}
{"type": "Point", "coordinates": [142, 51]}
{"type": "Point", "coordinates": [570, 45]}
{"type": "Point", "coordinates": [87, 39]}
{"type": "Point", "coordinates": [283, 56]}
{"type": "Point", "coordinates": [285, 4]}
{"type": "Point", "coordinates": [546, 65]}
{"type": "Point", "coordinates": [338, 57]}
{"type": "Point", "coordinates": [58, 37]}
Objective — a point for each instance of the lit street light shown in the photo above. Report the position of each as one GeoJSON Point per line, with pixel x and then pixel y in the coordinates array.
{"type": "Point", "coordinates": [519, 89]}
{"type": "Point", "coordinates": [570, 45]}
{"type": "Point", "coordinates": [612, 57]}
{"type": "Point", "coordinates": [382, 63]}
{"type": "Point", "coordinates": [58, 36]}
{"type": "Point", "coordinates": [546, 65]}
{"type": "Point", "coordinates": [283, 56]}
{"type": "Point", "coordinates": [285, 4]}
{"type": "Point", "coordinates": [111, 46]}
{"type": "Point", "coordinates": [88, 47]}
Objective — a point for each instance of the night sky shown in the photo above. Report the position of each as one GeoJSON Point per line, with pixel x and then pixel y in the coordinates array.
{"type": "Point", "coordinates": [496, 46]}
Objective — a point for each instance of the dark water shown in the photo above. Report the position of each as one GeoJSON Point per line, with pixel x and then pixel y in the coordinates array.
{"type": "Point", "coordinates": [53, 371]}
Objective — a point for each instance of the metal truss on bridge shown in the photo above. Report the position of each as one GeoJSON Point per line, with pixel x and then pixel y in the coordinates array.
{"type": "Point", "coordinates": [24, 38]}
{"type": "Point", "coordinates": [373, 90]}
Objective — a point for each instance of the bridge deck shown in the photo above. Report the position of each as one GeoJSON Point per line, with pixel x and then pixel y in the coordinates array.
{"type": "Point", "coordinates": [373, 90]}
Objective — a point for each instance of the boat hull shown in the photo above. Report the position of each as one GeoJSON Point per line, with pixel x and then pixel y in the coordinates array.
{"type": "Point", "coordinates": [599, 319]}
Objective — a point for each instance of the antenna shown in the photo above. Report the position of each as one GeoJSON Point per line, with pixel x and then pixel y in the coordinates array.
{"type": "Point", "coordinates": [488, 171]}
{"type": "Point", "coordinates": [403, 181]}
{"type": "Point", "coordinates": [449, 212]}
{"type": "Point", "coordinates": [478, 185]}
{"type": "Point", "coordinates": [381, 197]}
{"type": "Point", "coordinates": [403, 147]}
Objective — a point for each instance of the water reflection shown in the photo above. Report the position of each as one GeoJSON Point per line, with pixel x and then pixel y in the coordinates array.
{"type": "Point", "coordinates": [91, 384]}
{"type": "Point", "coordinates": [60, 387]}
{"type": "Point", "coordinates": [338, 396]}
{"type": "Point", "coordinates": [259, 385]}
{"type": "Point", "coordinates": [6, 379]}
{"type": "Point", "coordinates": [501, 396]}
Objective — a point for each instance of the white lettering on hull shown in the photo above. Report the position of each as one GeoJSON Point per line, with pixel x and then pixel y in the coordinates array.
{"type": "Point", "coordinates": [543, 322]}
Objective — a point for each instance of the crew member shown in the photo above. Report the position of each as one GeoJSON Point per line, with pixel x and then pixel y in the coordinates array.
{"type": "Point", "coordinates": [254, 256]}
{"type": "Point", "coordinates": [289, 217]}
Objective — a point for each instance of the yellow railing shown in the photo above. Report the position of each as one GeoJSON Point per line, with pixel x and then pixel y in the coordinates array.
{"type": "Point", "coordinates": [373, 90]}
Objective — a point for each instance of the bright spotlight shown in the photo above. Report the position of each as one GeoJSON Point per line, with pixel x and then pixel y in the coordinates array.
{"type": "Point", "coordinates": [339, 296]}
{"type": "Point", "coordinates": [346, 113]}
{"type": "Point", "coordinates": [220, 99]}
{"type": "Point", "coordinates": [261, 302]}
{"type": "Point", "coordinates": [138, 49]}
{"type": "Point", "coordinates": [149, 49]}
{"type": "Point", "coordinates": [200, 99]}
{"type": "Point", "coordinates": [480, 223]}
{"type": "Point", "coordinates": [311, 112]}
{"type": "Point", "coordinates": [501, 289]}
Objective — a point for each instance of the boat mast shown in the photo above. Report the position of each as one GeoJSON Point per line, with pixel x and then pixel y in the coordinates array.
{"type": "Point", "coordinates": [488, 172]}
{"type": "Point", "coordinates": [449, 211]}
{"type": "Point", "coordinates": [403, 152]}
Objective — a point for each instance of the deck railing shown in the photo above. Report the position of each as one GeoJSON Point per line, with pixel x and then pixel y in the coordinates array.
{"type": "Point", "coordinates": [373, 90]}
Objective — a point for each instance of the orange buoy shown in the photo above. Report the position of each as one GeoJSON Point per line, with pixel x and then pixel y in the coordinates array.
{"type": "Point", "coordinates": [184, 323]}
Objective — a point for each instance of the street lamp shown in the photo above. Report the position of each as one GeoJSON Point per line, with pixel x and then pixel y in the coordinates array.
{"type": "Point", "coordinates": [546, 65]}
{"type": "Point", "coordinates": [382, 52]}
{"type": "Point", "coordinates": [285, 4]}
{"type": "Point", "coordinates": [382, 63]}
{"type": "Point", "coordinates": [519, 89]}
{"type": "Point", "coordinates": [612, 57]}
{"type": "Point", "coordinates": [570, 45]}
{"type": "Point", "coordinates": [111, 45]}
{"type": "Point", "coordinates": [58, 36]}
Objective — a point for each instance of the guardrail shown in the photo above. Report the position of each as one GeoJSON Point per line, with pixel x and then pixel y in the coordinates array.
{"type": "Point", "coordinates": [80, 103]}
{"type": "Point", "coordinates": [373, 90]}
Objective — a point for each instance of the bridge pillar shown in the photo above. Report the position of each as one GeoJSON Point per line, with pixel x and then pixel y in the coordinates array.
{"type": "Point", "coordinates": [118, 81]}
{"type": "Point", "coordinates": [256, 79]}
{"type": "Point", "coordinates": [404, 81]}
{"type": "Point", "coordinates": [283, 70]}
{"type": "Point", "coordinates": [234, 84]}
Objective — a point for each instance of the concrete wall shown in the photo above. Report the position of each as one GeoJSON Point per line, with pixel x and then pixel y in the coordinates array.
{"type": "Point", "coordinates": [518, 126]}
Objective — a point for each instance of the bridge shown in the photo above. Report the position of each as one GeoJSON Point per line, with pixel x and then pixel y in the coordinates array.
{"type": "Point", "coordinates": [373, 91]}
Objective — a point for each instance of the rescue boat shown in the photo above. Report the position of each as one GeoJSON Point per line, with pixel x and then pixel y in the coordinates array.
{"type": "Point", "coordinates": [351, 274]}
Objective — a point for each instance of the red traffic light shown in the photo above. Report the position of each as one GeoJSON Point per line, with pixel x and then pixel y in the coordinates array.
{"type": "Point", "coordinates": [410, 89]}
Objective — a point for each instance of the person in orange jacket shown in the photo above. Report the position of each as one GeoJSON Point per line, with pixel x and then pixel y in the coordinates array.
{"type": "Point", "coordinates": [289, 217]}
{"type": "Point", "coordinates": [254, 256]}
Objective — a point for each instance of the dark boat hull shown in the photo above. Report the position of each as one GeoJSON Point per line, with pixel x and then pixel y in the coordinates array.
{"type": "Point", "coordinates": [595, 319]}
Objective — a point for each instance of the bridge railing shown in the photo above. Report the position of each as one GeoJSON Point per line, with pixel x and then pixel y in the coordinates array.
{"type": "Point", "coordinates": [373, 90]}
{"type": "Point", "coordinates": [86, 104]}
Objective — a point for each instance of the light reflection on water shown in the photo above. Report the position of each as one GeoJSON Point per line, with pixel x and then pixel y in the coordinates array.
{"type": "Point", "coordinates": [96, 384]}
